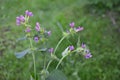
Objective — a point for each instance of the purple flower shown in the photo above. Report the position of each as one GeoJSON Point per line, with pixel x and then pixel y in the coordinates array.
{"type": "Point", "coordinates": [51, 50]}
{"type": "Point", "coordinates": [36, 38]}
{"type": "Point", "coordinates": [83, 45]}
{"type": "Point", "coordinates": [88, 55]}
{"type": "Point", "coordinates": [18, 22]}
{"type": "Point", "coordinates": [28, 29]}
{"type": "Point", "coordinates": [71, 48]}
{"type": "Point", "coordinates": [28, 13]}
{"type": "Point", "coordinates": [37, 27]}
{"type": "Point", "coordinates": [79, 29]}
{"type": "Point", "coordinates": [72, 24]}
{"type": "Point", "coordinates": [49, 33]}
{"type": "Point", "coordinates": [20, 19]}
{"type": "Point", "coordinates": [87, 51]}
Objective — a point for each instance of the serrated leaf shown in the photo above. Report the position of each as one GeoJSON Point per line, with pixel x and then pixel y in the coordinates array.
{"type": "Point", "coordinates": [65, 52]}
{"type": "Point", "coordinates": [22, 54]}
{"type": "Point", "coordinates": [56, 75]}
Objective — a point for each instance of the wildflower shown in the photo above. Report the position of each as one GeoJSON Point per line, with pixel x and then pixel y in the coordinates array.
{"type": "Point", "coordinates": [37, 27]}
{"type": "Point", "coordinates": [20, 19]}
{"type": "Point", "coordinates": [87, 51]}
{"type": "Point", "coordinates": [28, 29]}
{"type": "Point", "coordinates": [83, 45]}
{"type": "Point", "coordinates": [71, 48]}
{"type": "Point", "coordinates": [72, 24]}
{"type": "Point", "coordinates": [28, 13]}
{"type": "Point", "coordinates": [88, 55]}
{"type": "Point", "coordinates": [18, 22]}
{"type": "Point", "coordinates": [79, 29]}
{"type": "Point", "coordinates": [49, 33]}
{"type": "Point", "coordinates": [36, 38]}
{"type": "Point", "coordinates": [51, 50]}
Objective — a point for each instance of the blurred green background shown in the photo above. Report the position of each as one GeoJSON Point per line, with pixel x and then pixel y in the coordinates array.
{"type": "Point", "coordinates": [101, 21]}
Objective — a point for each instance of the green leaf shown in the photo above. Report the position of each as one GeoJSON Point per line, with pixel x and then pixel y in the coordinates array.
{"type": "Point", "coordinates": [56, 75]}
{"type": "Point", "coordinates": [22, 54]}
{"type": "Point", "coordinates": [23, 38]}
{"type": "Point", "coordinates": [65, 34]}
{"type": "Point", "coordinates": [65, 52]}
{"type": "Point", "coordinates": [60, 26]}
{"type": "Point", "coordinates": [42, 49]}
{"type": "Point", "coordinates": [32, 77]}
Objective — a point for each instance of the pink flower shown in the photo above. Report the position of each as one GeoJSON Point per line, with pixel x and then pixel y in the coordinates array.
{"type": "Point", "coordinates": [28, 29]}
{"type": "Point", "coordinates": [72, 24]}
{"type": "Point", "coordinates": [51, 50]}
{"type": "Point", "coordinates": [36, 38]}
{"type": "Point", "coordinates": [28, 13]}
{"type": "Point", "coordinates": [37, 27]}
{"type": "Point", "coordinates": [49, 33]}
{"type": "Point", "coordinates": [79, 29]}
{"type": "Point", "coordinates": [18, 22]}
{"type": "Point", "coordinates": [20, 19]}
{"type": "Point", "coordinates": [71, 48]}
{"type": "Point", "coordinates": [83, 45]}
{"type": "Point", "coordinates": [88, 55]}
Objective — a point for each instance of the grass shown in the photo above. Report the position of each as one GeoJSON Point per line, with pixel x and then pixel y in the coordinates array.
{"type": "Point", "coordinates": [101, 37]}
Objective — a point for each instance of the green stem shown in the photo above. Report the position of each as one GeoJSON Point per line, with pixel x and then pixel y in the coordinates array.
{"type": "Point", "coordinates": [34, 65]}
{"type": "Point", "coordinates": [44, 66]}
{"type": "Point", "coordinates": [44, 61]}
{"type": "Point", "coordinates": [48, 64]}
{"type": "Point", "coordinates": [63, 58]}
{"type": "Point", "coordinates": [60, 61]}
{"type": "Point", "coordinates": [59, 44]}
{"type": "Point", "coordinates": [55, 52]}
{"type": "Point", "coordinates": [33, 58]}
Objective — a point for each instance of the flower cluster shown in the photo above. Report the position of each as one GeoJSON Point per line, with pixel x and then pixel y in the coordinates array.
{"type": "Point", "coordinates": [23, 20]}
{"type": "Point", "coordinates": [28, 13]}
{"type": "Point", "coordinates": [20, 19]}
{"type": "Point", "coordinates": [83, 48]}
{"type": "Point", "coordinates": [72, 25]}
{"type": "Point", "coordinates": [87, 53]}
